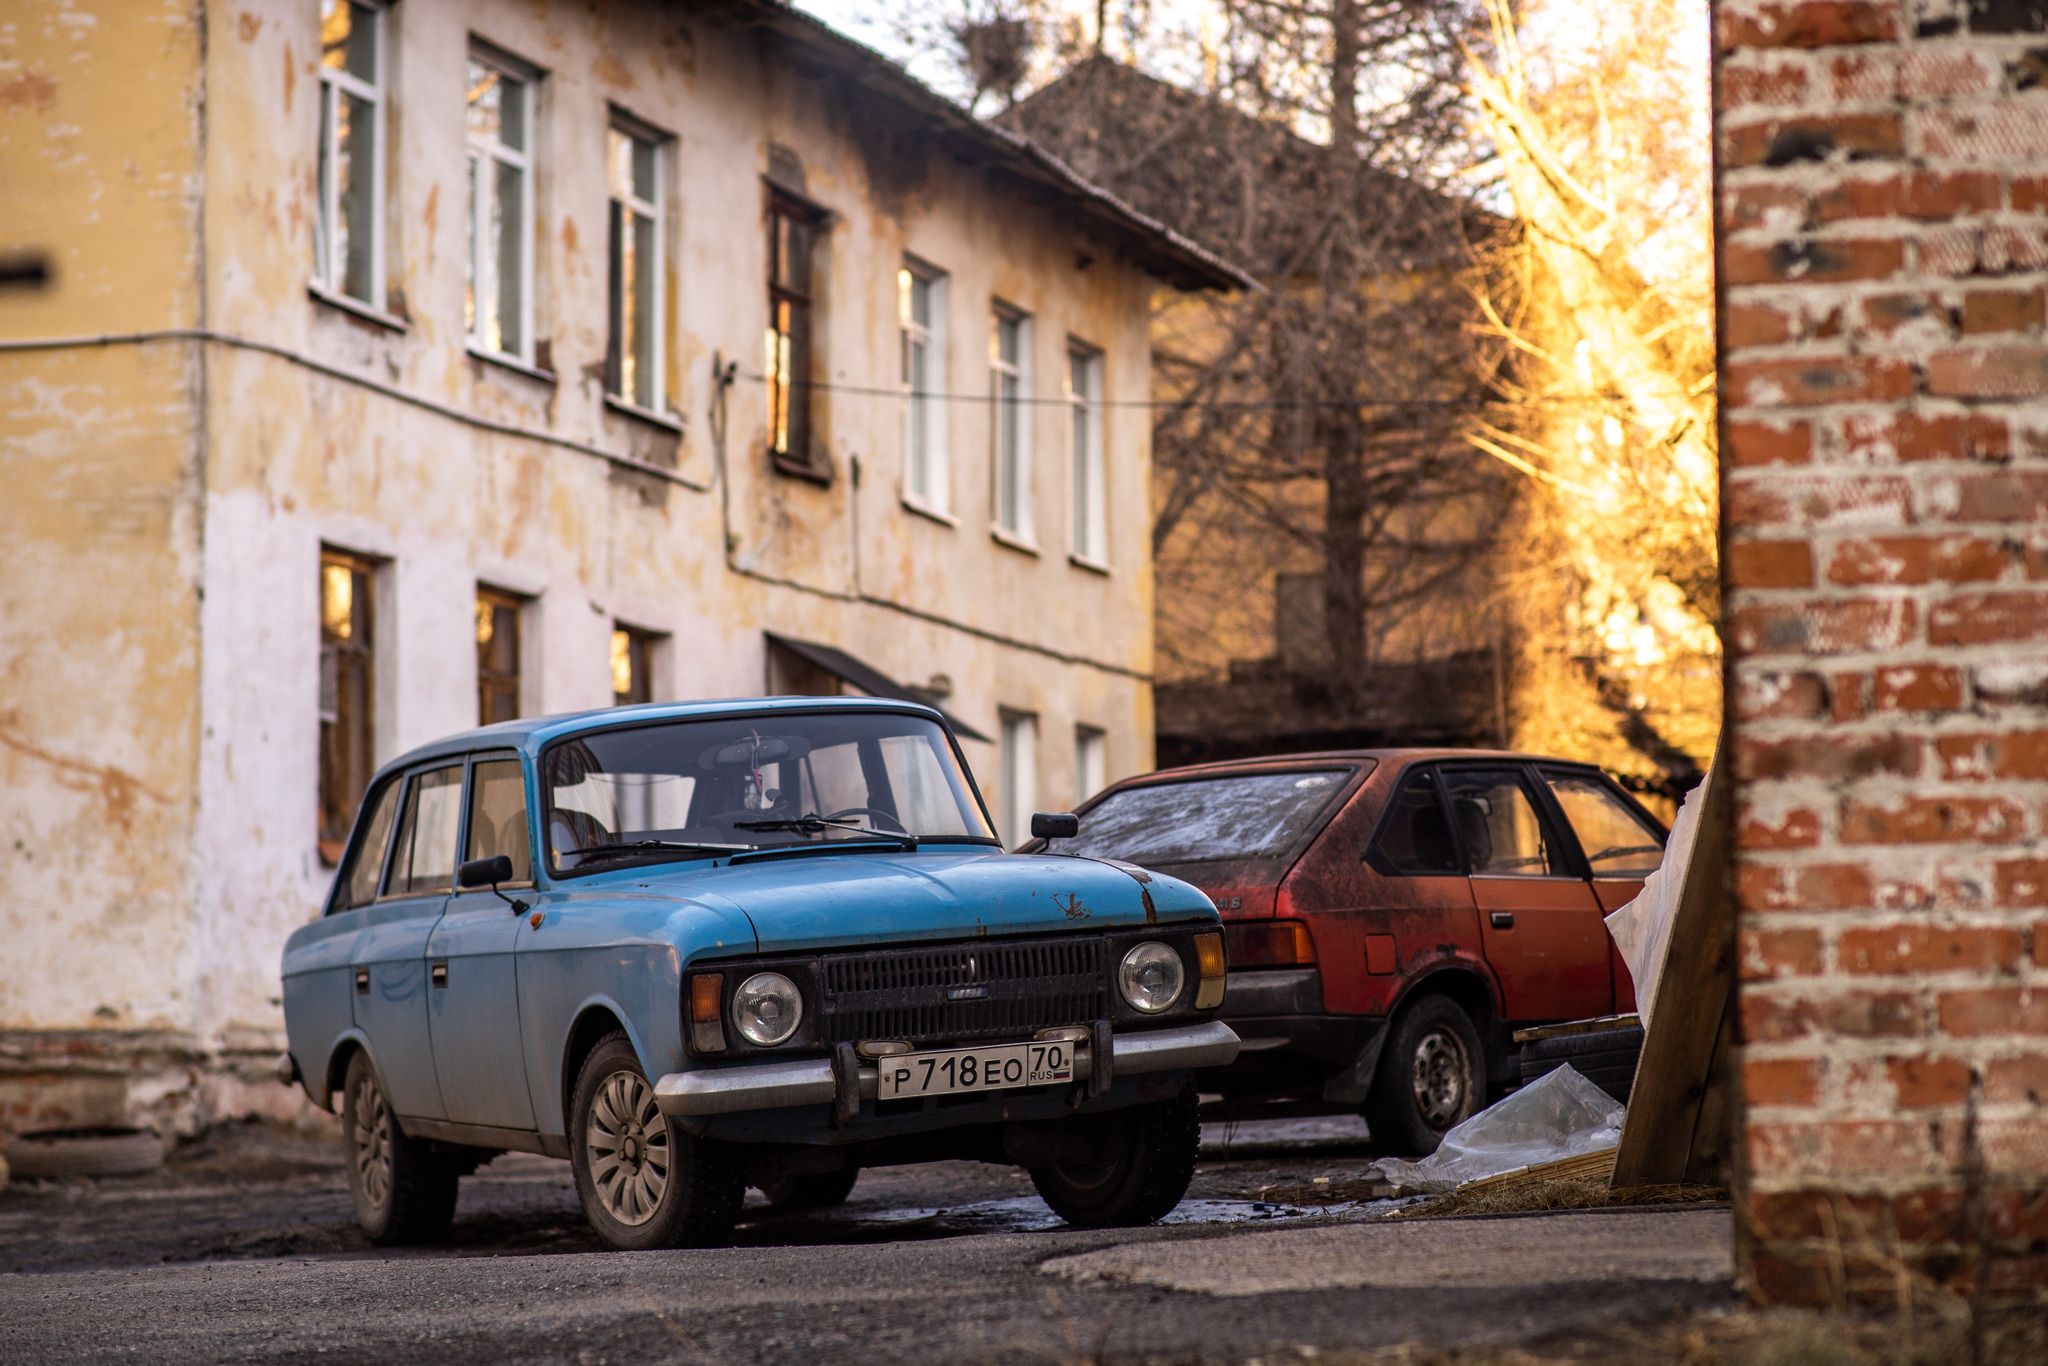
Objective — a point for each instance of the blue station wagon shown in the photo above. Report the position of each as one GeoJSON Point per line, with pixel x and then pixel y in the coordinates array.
{"type": "Point", "coordinates": [699, 947]}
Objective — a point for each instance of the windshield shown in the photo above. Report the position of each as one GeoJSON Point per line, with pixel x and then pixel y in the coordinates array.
{"type": "Point", "coordinates": [1254, 815]}
{"type": "Point", "coordinates": [685, 789]}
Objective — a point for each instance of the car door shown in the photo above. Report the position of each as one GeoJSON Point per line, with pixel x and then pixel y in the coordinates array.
{"type": "Point", "coordinates": [1539, 923]}
{"type": "Point", "coordinates": [1620, 844]}
{"type": "Point", "coordinates": [390, 954]}
{"type": "Point", "coordinates": [473, 989]}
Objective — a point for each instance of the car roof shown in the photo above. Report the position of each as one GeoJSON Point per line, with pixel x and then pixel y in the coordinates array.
{"type": "Point", "coordinates": [531, 733]}
{"type": "Point", "coordinates": [1330, 758]}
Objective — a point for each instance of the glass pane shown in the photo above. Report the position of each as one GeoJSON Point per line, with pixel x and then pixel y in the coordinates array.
{"type": "Point", "coordinates": [641, 331]}
{"type": "Point", "coordinates": [622, 666]}
{"type": "Point", "coordinates": [1009, 495]}
{"type": "Point", "coordinates": [512, 113]}
{"type": "Point", "coordinates": [497, 815]}
{"type": "Point", "coordinates": [1083, 543]}
{"type": "Point", "coordinates": [1616, 841]}
{"type": "Point", "coordinates": [508, 230]}
{"type": "Point", "coordinates": [470, 263]}
{"type": "Point", "coordinates": [1254, 816]}
{"type": "Point", "coordinates": [323, 248]}
{"type": "Point", "coordinates": [1007, 348]}
{"type": "Point", "coordinates": [360, 879]}
{"type": "Point", "coordinates": [1415, 835]}
{"type": "Point", "coordinates": [486, 101]}
{"type": "Point", "coordinates": [337, 600]}
{"type": "Point", "coordinates": [426, 840]}
{"type": "Point", "coordinates": [1499, 825]}
{"type": "Point", "coordinates": [355, 162]}
{"type": "Point", "coordinates": [643, 168]}
{"type": "Point", "coordinates": [920, 301]}
{"type": "Point", "coordinates": [348, 39]}
{"type": "Point", "coordinates": [619, 163]}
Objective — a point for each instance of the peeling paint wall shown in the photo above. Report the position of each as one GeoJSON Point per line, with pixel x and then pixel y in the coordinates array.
{"type": "Point", "coordinates": [168, 500]}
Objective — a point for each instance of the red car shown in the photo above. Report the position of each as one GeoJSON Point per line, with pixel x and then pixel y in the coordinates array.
{"type": "Point", "coordinates": [1391, 916]}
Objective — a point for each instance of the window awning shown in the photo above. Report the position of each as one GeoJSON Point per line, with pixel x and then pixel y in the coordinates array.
{"type": "Point", "coordinates": [869, 679]}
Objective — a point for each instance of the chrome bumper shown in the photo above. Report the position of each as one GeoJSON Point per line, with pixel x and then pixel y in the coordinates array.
{"type": "Point", "coordinates": [776, 1085]}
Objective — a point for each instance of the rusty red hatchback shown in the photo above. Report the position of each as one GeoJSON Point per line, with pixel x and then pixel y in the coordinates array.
{"type": "Point", "coordinates": [1391, 916]}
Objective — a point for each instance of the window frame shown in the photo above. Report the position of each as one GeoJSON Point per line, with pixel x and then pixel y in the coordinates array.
{"type": "Point", "coordinates": [1012, 469]}
{"type": "Point", "coordinates": [483, 194]}
{"type": "Point", "coordinates": [624, 206]}
{"type": "Point", "coordinates": [516, 605]}
{"type": "Point", "coordinates": [1018, 773]}
{"type": "Point", "coordinates": [412, 777]}
{"type": "Point", "coordinates": [330, 274]}
{"type": "Point", "coordinates": [469, 767]}
{"type": "Point", "coordinates": [1089, 740]}
{"type": "Point", "coordinates": [363, 612]}
{"type": "Point", "coordinates": [1088, 447]}
{"type": "Point", "coordinates": [1542, 805]}
{"type": "Point", "coordinates": [646, 641]}
{"type": "Point", "coordinates": [924, 411]}
{"type": "Point", "coordinates": [345, 865]}
{"type": "Point", "coordinates": [792, 418]}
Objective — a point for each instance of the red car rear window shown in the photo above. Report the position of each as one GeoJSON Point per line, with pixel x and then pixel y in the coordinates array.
{"type": "Point", "coordinates": [1233, 816]}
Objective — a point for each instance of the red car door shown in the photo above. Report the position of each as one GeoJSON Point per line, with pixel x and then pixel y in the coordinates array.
{"type": "Point", "coordinates": [1622, 847]}
{"type": "Point", "coordinates": [1539, 921]}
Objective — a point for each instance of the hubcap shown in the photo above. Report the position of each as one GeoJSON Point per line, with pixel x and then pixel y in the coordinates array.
{"type": "Point", "coordinates": [627, 1139]}
{"type": "Point", "coordinates": [1442, 1079]}
{"type": "Point", "coordinates": [372, 1141]}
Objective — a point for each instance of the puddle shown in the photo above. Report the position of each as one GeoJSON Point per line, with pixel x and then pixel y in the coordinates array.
{"type": "Point", "coordinates": [1018, 1214]}
{"type": "Point", "coordinates": [1250, 1137]}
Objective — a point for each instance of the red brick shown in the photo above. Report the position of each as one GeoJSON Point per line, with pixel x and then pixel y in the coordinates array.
{"type": "Point", "coordinates": [1828, 756]}
{"type": "Point", "coordinates": [1784, 83]}
{"type": "Point", "coordinates": [2005, 754]}
{"type": "Point", "coordinates": [1917, 687]}
{"type": "Point", "coordinates": [2039, 934]}
{"type": "Point", "coordinates": [1791, 694]}
{"type": "Point", "coordinates": [1769, 564]}
{"type": "Point", "coordinates": [1993, 1011]}
{"type": "Point", "coordinates": [2021, 882]}
{"type": "Point", "coordinates": [1994, 131]}
{"type": "Point", "coordinates": [2029, 193]}
{"type": "Point", "coordinates": [1923, 1081]}
{"type": "Point", "coordinates": [1816, 23]}
{"type": "Point", "coordinates": [1933, 820]}
{"type": "Point", "coordinates": [2001, 310]}
{"type": "Point", "coordinates": [1815, 887]}
{"type": "Point", "coordinates": [1774, 1018]}
{"type": "Point", "coordinates": [2017, 1079]}
{"type": "Point", "coordinates": [1989, 372]}
{"type": "Point", "coordinates": [1970, 559]}
{"type": "Point", "coordinates": [1945, 72]}
{"type": "Point", "coordinates": [1980, 618]}
{"type": "Point", "coordinates": [1850, 694]}
{"type": "Point", "coordinates": [1769, 443]}
{"type": "Point", "coordinates": [1860, 197]}
{"type": "Point", "coordinates": [1793, 1275]}
{"type": "Point", "coordinates": [1754, 325]}
{"type": "Point", "coordinates": [1844, 1148]}
{"type": "Point", "coordinates": [1909, 436]}
{"type": "Point", "coordinates": [1800, 383]}
{"type": "Point", "coordinates": [1825, 626]}
{"type": "Point", "coordinates": [1860, 77]}
{"type": "Point", "coordinates": [1812, 260]}
{"type": "Point", "coordinates": [1820, 500]}
{"type": "Point", "coordinates": [2004, 496]}
{"type": "Point", "coordinates": [1933, 195]}
{"type": "Point", "coordinates": [1752, 206]}
{"type": "Point", "coordinates": [1816, 137]}
{"type": "Point", "coordinates": [1911, 948]}
{"type": "Point", "coordinates": [1917, 559]}
{"type": "Point", "coordinates": [1794, 830]}
{"type": "Point", "coordinates": [1885, 314]}
{"type": "Point", "coordinates": [1780, 1081]}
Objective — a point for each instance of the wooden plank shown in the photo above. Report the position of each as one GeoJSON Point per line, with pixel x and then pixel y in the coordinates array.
{"type": "Point", "coordinates": [1593, 1026]}
{"type": "Point", "coordinates": [1583, 1167]}
{"type": "Point", "coordinates": [1694, 996]}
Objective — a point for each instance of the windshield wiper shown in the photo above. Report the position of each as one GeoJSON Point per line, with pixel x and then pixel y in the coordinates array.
{"type": "Point", "coordinates": [818, 825]}
{"type": "Point", "coordinates": [659, 846]}
{"type": "Point", "coordinates": [1617, 850]}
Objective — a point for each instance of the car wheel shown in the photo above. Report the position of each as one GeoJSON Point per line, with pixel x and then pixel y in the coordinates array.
{"type": "Point", "coordinates": [818, 1190]}
{"type": "Point", "coordinates": [1142, 1161]}
{"type": "Point", "coordinates": [1431, 1076]}
{"type": "Point", "coordinates": [403, 1190]}
{"type": "Point", "coordinates": [645, 1182]}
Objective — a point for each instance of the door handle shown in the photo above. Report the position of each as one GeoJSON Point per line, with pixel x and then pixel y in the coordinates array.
{"type": "Point", "coordinates": [439, 973]}
{"type": "Point", "coordinates": [1502, 920]}
{"type": "Point", "coordinates": [362, 981]}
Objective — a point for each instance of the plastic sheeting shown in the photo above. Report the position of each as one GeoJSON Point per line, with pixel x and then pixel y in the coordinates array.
{"type": "Point", "coordinates": [1642, 929]}
{"type": "Point", "coordinates": [1557, 1116]}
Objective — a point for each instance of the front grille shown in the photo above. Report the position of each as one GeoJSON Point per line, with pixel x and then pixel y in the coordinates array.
{"type": "Point", "coordinates": [929, 995]}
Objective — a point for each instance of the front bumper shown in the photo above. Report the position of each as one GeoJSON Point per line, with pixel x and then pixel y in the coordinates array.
{"type": "Point", "coordinates": [778, 1085]}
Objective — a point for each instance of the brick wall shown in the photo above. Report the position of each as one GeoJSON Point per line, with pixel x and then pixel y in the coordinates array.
{"type": "Point", "coordinates": [1883, 257]}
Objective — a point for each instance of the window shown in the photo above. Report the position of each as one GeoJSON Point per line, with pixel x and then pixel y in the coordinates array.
{"type": "Point", "coordinates": [497, 656]}
{"type": "Point", "coordinates": [1084, 407]}
{"type": "Point", "coordinates": [1258, 815]}
{"type": "Point", "coordinates": [1091, 762]}
{"type": "Point", "coordinates": [359, 881]}
{"type": "Point", "coordinates": [497, 816]}
{"type": "Point", "coordinates": [424, 860]}
{"type": "Point", "coordinates": [1503, 833]}
{"type": "Point", "coordinates": [1009, 363]}
{"type": "Point", "coordinates": [633, 356]}
{"type": "Point", "coordinates": [347, 671]}
{"type": "Point", "coordinates": [1415, 834]}
{"type": "Point", "coordinates": [632, 676]}
{"type": "Point", "coordinates": [348, 226]}
{"type": "Point", "coordinates": [1019, 747]}
{"type": "Point", "coordinates": [921, 312]}
{"type": "Point", "coordinates": [1618, 842]}
{"type": "Point", "coordinates": [496, 303]}
{"type": "Point", "coordinates": [791, 228]}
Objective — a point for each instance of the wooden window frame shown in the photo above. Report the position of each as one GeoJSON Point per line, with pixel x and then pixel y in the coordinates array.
{"type": "Point", "coordinates": [487, 155]}
{"type": "Point", "coordinates": [492, 681]}
{"type": "Point", "coordinates": [344, 778]}
{"type": "Point", "coordinates": [626, 209]}
{"type": "Point", "coordinates": [330, 266]}
{"type": "Point", "coordinates": [791, 340]}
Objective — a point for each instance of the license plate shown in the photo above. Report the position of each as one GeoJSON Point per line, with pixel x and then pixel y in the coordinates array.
{"type": "Point", "coordinates": [973, 1069]}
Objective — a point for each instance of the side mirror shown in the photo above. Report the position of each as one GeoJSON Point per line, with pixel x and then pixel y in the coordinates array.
{"type": "Point", "coordinates": [1055, 825]}
{"type": "Point", "coordinates": [485, 872]}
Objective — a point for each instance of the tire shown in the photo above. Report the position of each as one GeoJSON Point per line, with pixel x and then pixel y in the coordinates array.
{"type": "Point", "coordinates": [820, 1190]}
{"type": "Point", "coordinates": [1607, 1058]}
{"type": "Point", "coordinates": [645, 1182]}
{"type": "Point", "coordinates": [1430, 1077]}
{"type": "Point", "coordinates": [404, 1191]}
{"type": "Point", "coordinates": [1144, 1159]}
{"type": "Point", "coordinates": [85, 1152]}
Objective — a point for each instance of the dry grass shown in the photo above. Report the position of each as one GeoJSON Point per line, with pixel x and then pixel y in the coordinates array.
{"type": "Point", "coordinates": [1537, 1196]}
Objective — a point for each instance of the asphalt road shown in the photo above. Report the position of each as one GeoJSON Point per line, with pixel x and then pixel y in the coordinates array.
{"type": "Point", "coordinates": [243, 1251]}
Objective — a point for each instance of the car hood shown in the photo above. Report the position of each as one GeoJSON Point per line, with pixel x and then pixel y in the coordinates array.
{"type": "Point", "coordinates": [816, 901]}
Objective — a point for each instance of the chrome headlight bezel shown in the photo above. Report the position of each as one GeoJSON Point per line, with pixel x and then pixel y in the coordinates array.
{"type": "Point", "coordinates": [767, 1028]}
{"type": "Point", "coordinates": [1151, 977]}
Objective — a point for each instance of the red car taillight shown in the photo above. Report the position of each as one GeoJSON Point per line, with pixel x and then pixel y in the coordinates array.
{"type": "Point", "coordinates": [1270, 944]}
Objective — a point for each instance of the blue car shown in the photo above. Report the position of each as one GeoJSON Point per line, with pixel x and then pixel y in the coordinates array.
{"type": "Point", "coordinates": [699, 947]}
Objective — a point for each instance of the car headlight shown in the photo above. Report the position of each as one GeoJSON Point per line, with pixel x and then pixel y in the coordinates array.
{"type": "Point", "coordinates": [1151, 977]}
{"type": "Point", "coordinates": [767, 1008]}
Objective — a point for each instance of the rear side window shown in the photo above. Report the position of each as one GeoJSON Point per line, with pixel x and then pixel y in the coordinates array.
{"type": "Point", "coordinates": [425, 859]}
{"type": "Point", "coordinates": [359, 879]}
{"type": "Point", "coordinates": [1415, 834]}
{"type": "Point", "coordinates": [1502, 829]}
{"type": "Point", "coordinates": [1617, 841]}
{"type": "Point", "coordinates": [1255, 815]}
